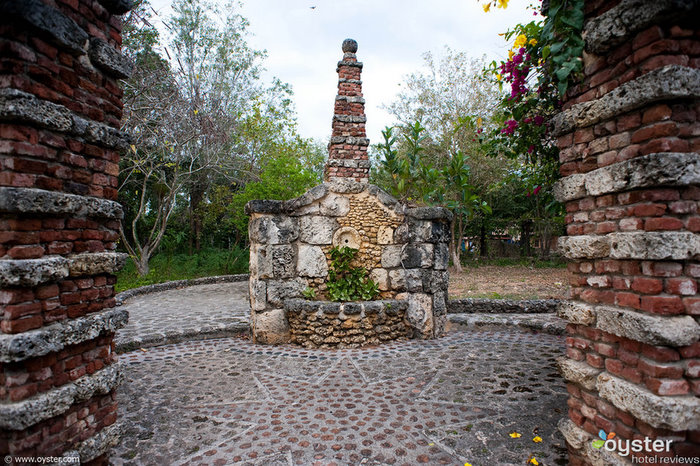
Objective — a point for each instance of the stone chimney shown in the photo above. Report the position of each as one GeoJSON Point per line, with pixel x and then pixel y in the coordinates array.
{"type": "Point", "coordinates": [347, 151]}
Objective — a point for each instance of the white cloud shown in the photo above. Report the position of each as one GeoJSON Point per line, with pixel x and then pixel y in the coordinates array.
{"type": "Point", "coordinates": [303, 45]}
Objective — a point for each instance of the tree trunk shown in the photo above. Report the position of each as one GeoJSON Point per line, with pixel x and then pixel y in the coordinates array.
{"type": "Point", "coordinates": [483, 246]}
{"type": "Point", "coordinates": [455, 244]}
{"type": "Point", "coordinates": [525, 235]}
{"type": "Point", "coordinates": [141, 264]}
{"type": "Point", "coordinates": [196, 197]}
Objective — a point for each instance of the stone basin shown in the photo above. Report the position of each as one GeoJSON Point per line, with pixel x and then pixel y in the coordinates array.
{"type": "Point", "coordinates": [325, 324]}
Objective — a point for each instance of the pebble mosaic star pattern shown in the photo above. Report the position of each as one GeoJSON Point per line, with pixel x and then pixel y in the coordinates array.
{"type": "Point", "coordinates": [445, 401]}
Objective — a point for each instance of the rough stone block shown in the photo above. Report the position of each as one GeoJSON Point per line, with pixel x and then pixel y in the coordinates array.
{"type": "Point", "coordinates": [335, 205]}
{"type": "Point", "coordinates": [258, 294]}
{"type": "Point", "coordinates": [317, 229]}
{"type": "Point", "coordinates": [381, 278]}
{"type": "Point", "coordinates": [440, 303]}
{"type": "Point", "coordinates": [391, 256]}
{"type": "Point", "coordinates": [283, 261]}
{"type": "Point", "coordinates": [397, 279]}
{"type": "Point", "coordinates": [260, 264]}
{"type": "Point", "coordinates": [420, 314]}
{"type": "Point", "coordinates": [584, 247]}
{"type": "Point", "coordinates": [385, 235]}
{"type": "Point", "coordinates": [578, 372]}
{"type": "Point", "coordinates": [31, 272]}
{"type": "Point", "coordinates": [666, 245]}
{"type": "Point", "coordinates": [279, 290]}
{"type": "Point", "coordinates": [109, 60]}
{"type": "Point", "coordinates": [417, 256]}
{"type": "Point", "coordinates": [648, 328]}
{"type": "Point", "coordinates": [94, 263]}
{"type": "Point", "coordinates": [676, 413]}
{"type": "Point", "coordinates": [273, 229]}
{"type": "Point", "coordinates": [576, 312]}
{"type": "Point", "coordinates": [309, 197]}
{"type": "Point", "coordinates": [271, 327]}
{"type": "Point", "coordinates": [21, 106]}
{"type": "Point", "coordinates": [442, 256]}
{"type": "Point", "coordinates": [311, 262]}
{"type": "Point", "coordinates": [39, 201]}
{"type": "Point", "coordinates": [413, 280]}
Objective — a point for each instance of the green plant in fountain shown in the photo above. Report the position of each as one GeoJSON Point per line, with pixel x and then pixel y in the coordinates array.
{"type": "Point", "coordinates": [346, 283]}
{"type": "Point", "coordinates": [309, 293]}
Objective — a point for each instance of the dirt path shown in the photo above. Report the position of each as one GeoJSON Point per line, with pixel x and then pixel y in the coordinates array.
{"type": "Point", "coordinates": [511, 282]}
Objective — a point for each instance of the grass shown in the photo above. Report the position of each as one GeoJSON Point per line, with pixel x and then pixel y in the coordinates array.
{"type": "Point", "coordinates": [168, 267]}
{"type": "Point", "coordinates": [516, 261]}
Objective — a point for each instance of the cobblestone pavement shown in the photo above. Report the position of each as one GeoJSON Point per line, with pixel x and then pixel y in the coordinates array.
{"type": "Point", "coordinates": [202, 311]}
{"type": "Point", "coordinates": [446, 401]}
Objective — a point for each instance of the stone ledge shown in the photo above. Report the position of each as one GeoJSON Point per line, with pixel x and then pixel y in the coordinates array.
{"type": "Point", "coordinates": [97, 445]}
{"type": "Point", "coordinates": [350, 81]}
{"type": "Point", "coordinates": [109, 60]}
{"type": "Point", "coordinates": [38, 201]}
{"type": "Point", "coordinates": [158, 287]}
{"type": "Point", "coordinates": [353, 99]}
{"type": "Point", "coordinates": [94, 263]}
{"type": "Point", "coordinates": [25, 413]}
{"type": "Point", "coordinates": [546, 323]}
{"type": "Point", "coordinates": [353, 141]}
{"type": "Point", "coordinates": [387, 306]}
{"type": "Point", "coordinates": [16, 105]}
{"type": "Point", "coordinates": [578, 372]}
{"type": "Point", "coordinates": [643, 245]}
{"type": "Point", "coordinates": [56, 336]}
{"type": "Point", "coordinates": [356, 64]}
{"type": "Point", "coordinates": [647, 328]}
{"type": "Point", "coordinates": [350, 118]}
{"type": "Point", "coordinates": [501, 306]}
{"type": "Point", "coordinates": [660, 169]}
{"type": "Point", "coordinates": [676, 413]}
{"type": "Point", "coordinates": [31, 272]}
{"type": "Point", "coordinates": [64, 31]}
{"type": "Point", "coordinates": [651, 329]}
{"type": "Point", "coordinates": [669, 82]}
{"type": "Point", "coordinates": [581, 441]}
{"type": "Point", "coordinates": [348, 163]}
{"type": "Point", "coordinates": [621, 22]}
{"type": "Point", "coordinates": [206, 332]}
{"type": "Point", "coordinates": [576, 313]}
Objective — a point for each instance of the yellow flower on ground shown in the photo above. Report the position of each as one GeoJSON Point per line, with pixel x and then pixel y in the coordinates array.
{"type": "Point", "coordinates": [533, 42]}
{"type": "Point", "coordinates": [196, 111]}
{"type": "Point", "coordinates": [487, 7]}
{"type": "Point", "coordinates": [520, 41]}
{"type": "Point", "coordinates": [479, 121]}
{"type": "Point", "coordinates": [537, 439]}
{"type": "Point", "coordinates": [515, 435]}
{"type": "Point", "coordinates": [467, 464]}
{"type": "Point", "coordinates": [533, 461]}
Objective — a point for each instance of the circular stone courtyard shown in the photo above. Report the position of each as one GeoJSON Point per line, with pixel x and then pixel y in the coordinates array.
{"type": "Point", "coordinates": [454, 400]}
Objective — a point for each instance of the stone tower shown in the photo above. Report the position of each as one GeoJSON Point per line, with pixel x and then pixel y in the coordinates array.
{"type": "Point", "coordinates": [347, 151]}
{"type": "Point", "coordinates": [403, 249]}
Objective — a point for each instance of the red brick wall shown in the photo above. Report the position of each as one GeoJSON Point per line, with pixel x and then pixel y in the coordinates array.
{"type": "Point", "coordinates": [642, 283]}
{"type": "Point", "coordinates": [60, 112]}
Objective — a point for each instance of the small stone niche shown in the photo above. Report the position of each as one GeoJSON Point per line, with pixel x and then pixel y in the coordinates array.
{"type": "Point", "coordinates": [405, 250]}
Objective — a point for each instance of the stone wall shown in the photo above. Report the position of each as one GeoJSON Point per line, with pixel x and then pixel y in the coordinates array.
{"type": "Point", "coordinates": [629, 144]}
{"type": "Point", "coordinates": [60, 111]}
{"type": "Point", "coordinates": [405, 251]}
{"type": "Point", "coordinates": [320, 324]}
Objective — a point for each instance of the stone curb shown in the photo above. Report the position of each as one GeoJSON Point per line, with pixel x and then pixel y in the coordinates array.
{"type": "Point", "coordinates": [155, 288]}
{"type": "Point", "coordinates": [501, 306]}
{"type": "Point", "coordinates": [546, 323]}
{"type": "Point", "coordinates": [183, 335]}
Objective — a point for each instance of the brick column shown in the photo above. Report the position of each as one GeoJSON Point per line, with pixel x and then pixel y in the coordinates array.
{"type": "Point", "coordinates": [60, 111]}
{"type": "Point", "coordinates": [629, 143]}
{"type": "Point", "coordinates": [347, 151]}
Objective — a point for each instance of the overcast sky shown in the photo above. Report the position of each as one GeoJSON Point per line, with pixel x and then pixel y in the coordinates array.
{"type": "Point", "coordinates": [303, 46]}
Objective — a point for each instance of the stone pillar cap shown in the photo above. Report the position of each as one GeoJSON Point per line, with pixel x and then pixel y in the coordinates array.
{"type": "Point", "coordinates": [350, 45]}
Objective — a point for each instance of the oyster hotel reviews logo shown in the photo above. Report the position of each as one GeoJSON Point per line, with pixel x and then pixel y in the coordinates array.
{"type": "Point", "coordinates": [625, 447]}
